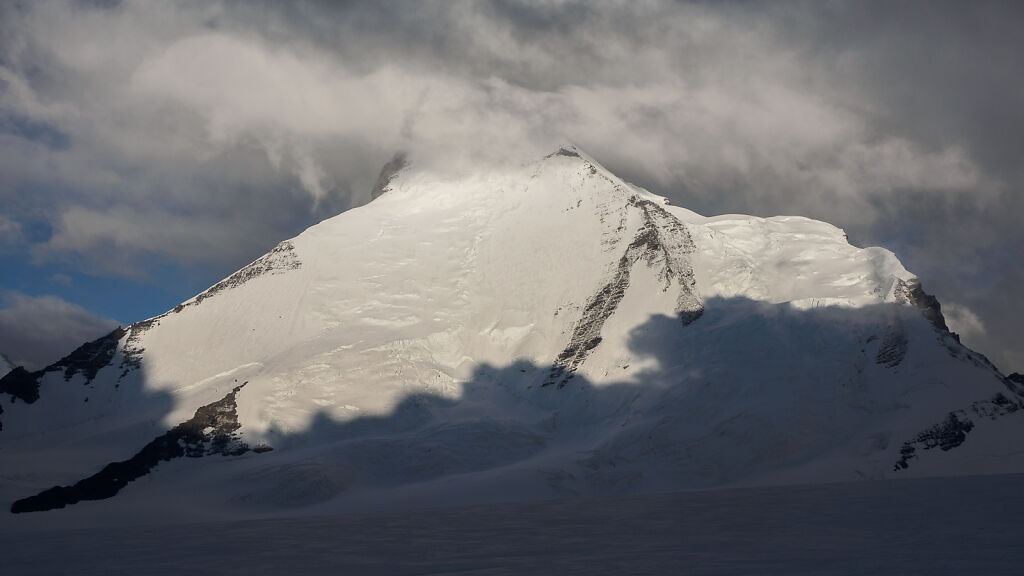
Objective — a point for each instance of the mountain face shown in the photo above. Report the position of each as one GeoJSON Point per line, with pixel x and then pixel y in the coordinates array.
{"type": "Point", "coordinates": [538, 332]}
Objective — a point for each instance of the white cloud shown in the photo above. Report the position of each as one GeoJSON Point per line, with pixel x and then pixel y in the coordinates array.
{"type": "Point", "coordinates": [126, 235]}
{"type": "Point", "coordinates": [711, 97]}
{"type": "Point", "coordinates": [10, 233]}
{"type": "Point", "coordinates": [963, 321]}
{"type": "Point", "coordinates": [292, 99]}
{"type": "Point", "coordinates": [36, 331]}
{"type": "Point", "coordinates": [203, 132]}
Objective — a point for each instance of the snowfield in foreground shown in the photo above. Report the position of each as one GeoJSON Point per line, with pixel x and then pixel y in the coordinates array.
{"type": "Point", "coordinates": [548, 331]}
{"type": "Point", "coordinates": [930, 526]}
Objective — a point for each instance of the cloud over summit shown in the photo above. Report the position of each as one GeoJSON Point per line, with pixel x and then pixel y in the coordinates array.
{"type": "Point", "coordinates": [36, 331]}
{"type": "Point", "coordinates": [203, 133]}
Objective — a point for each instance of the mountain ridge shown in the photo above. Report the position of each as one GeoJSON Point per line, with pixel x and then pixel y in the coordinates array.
{"type": "Point", "coordinates": [528, 310]}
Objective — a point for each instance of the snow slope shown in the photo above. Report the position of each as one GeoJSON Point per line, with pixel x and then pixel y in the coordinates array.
{"type": "Point", "coordinates": [876, 528]}
{"type": "Point", "coordinates": [5, 365]}
{"type": "Point", "coordinates": [543, 331]}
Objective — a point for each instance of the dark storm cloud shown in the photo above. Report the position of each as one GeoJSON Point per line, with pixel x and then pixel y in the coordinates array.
{"type": "Point", "coordinates": [201, 132]}
{"type": "Point", "coordinates": [939, 74]}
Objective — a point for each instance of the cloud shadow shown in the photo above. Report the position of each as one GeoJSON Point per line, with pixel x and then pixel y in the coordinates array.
{"type": "Point", "coordinates": [749, 389]}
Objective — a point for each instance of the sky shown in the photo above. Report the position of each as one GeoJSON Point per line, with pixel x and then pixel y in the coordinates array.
{"type": "Point", "coordinates": [150, 148]}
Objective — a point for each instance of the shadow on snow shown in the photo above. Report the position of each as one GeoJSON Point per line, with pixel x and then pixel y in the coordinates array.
{"type": "Point", "coordinates": [747, 389]}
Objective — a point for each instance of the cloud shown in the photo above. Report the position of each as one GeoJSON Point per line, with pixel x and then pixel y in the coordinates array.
{"type": "Point", "coordinates": [203, 133]}
{"type": "Point", "coordinates": [10, 233]}
{"type": "Point", "coordinates": [963, 321]}
{"type": "Point", "coordinates": [62, 279]}
{"type": "Point", "coordinates": [128, 235]}
{"type": "Point", "coordinates": [36, 331]}
{"type": "Point", "coordinates": [491, 92]}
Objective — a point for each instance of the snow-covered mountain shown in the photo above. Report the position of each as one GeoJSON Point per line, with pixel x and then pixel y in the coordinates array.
{"type": "Point", "coordinates": [5, 365]}
{"type": "Point", "coordinates": [543, 331]}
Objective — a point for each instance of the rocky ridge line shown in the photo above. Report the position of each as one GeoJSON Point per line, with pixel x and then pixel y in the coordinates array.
{"type": "Point", "coordinates": [663, 239]}
{"type": "Point", "coordinates": [212, 430]}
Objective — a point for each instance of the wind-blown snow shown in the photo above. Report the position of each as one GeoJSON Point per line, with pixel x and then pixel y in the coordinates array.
{"type": "Point", "coordinates": [398, 354]}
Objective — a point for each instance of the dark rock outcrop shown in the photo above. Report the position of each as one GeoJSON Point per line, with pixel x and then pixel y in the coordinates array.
{"type": "Point", "coordinates": [952, 432]}
{"type": "Point", "coordinates": [211, 431]}
{"type": "Point", "coordinates": [281, 259]}
{"type": "Point", "coordinates": [995, 407]}
{"type": "Point", "coordinates": [20, 384]}
{"type": "Point", "coordinates": [894, 345]}
{"type": "Point", "coordinates": [945, 435]}
{"type": "Point", "coordinates": [87, 360]}
{"type": "Point", "coordinates": [570, 152]}
{"type": "Point", "coordinates": [912, 293]}
{"type": "Point", "coordinates": [387, 174]}
{"type": "Point", "coordinates": [662, 240]}
{"type": "Point", "coordinates": [278, 261]}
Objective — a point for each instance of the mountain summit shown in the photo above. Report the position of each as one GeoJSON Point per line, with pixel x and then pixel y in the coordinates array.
{"type": "Point", "coordinates": [541, 331]}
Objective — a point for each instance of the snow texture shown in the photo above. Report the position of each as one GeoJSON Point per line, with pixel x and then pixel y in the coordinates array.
{"type": "Point", "coordinates": [545, 331]}
{"type": "Point", "coordinates": [928, 526]}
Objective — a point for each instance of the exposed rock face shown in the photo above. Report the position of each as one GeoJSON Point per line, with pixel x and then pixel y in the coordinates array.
{"type": "Point", "coordinates": [387, 174]}
{"type": "Point", "coordinates": [281, 259]}
{"type": "Point", "coordinates": [945, 435]}
{"type": "Point", "coordinates": [998, 405]}
{"type": "Point", "coordinates": [20, 384]}
{"type": "Point", "coordinates": [131, 352]}
{"type": "Point", "coordinates": [88, 359]}
{"type": "Point", "coordinates": [211, 431]}
{"type": "Point", "coordinates": [953, 431]}
{"type": "Point", "coordinates": [662, 241]}
{"type": "Point", "coordinates": [669, 240]}
{"type": "Point", "coordinates": [912, 293]}
{"type": "Point", "coordinates": [894, 345]}
{"type": "Point", "coordinates": [91, 357]}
